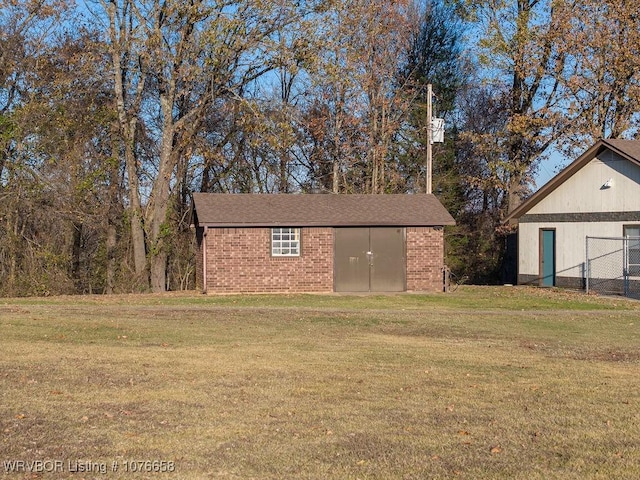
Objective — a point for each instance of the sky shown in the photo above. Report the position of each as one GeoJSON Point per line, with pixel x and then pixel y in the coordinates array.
{"type": "Point", "coordinates": [549, 167]}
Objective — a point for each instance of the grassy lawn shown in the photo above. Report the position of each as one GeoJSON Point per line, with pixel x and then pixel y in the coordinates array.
{"type": "Point", "coordinates": [485, 382]}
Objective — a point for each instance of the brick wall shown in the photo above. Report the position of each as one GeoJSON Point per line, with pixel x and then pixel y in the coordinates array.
{"type": "Point", "coordinates": [239, 261]}
{"type": "Point", "coordinates": [425, 259]}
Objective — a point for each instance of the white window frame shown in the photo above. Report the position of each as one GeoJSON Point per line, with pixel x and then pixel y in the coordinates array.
{"type": "Point", "coordinates": [632, 248]}
{"type": "Point", "coordinates": [285, 242]}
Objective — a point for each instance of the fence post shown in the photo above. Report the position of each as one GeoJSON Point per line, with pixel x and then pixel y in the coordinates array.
{"type": "Point", "coordinates": [446, 279]}
{"type": "Point", "coordinates": [586, 266]}
{"type": "Point", "coordinates": [625, 265]}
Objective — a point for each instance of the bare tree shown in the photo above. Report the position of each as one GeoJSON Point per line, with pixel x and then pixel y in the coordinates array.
{"type": "Point", "coordinates": [129, 69]}
{"type": "Point", "coordinates": [521, 45]}
{"type": "Point", "coordinates": [178, 59]}
{"type": "Point", "coordinates": [602, 75]}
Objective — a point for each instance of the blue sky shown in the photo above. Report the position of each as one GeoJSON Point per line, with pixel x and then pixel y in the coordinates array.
{"type": "Point", "coordinates": [549, 167]}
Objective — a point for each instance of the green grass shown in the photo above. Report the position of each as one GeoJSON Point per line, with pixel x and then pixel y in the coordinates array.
{"type": "Point", "coordinates": [481, 383]}
{"type": "Point", "coordinates": [465, 297]}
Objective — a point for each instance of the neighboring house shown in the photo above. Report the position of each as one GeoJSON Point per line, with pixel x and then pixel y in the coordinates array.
{"type": "Point", "coordinates": [252, 243]}
{"type": "Point", "coordinates": [598, 195]}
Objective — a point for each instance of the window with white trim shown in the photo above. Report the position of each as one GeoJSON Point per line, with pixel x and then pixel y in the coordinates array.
{"type": "Point", "coordinates": [285, 242]}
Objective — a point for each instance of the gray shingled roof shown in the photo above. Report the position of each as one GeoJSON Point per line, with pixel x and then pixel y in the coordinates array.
{"type": "Point", "coordinates": [628, 148]}
{"type": "Point", "coordinates": [298, 210]}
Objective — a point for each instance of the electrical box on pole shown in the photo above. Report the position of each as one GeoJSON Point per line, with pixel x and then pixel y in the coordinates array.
{"type": "Point", "coordinates": [437, 130]}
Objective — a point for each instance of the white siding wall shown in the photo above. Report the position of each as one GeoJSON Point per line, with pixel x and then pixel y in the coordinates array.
{"type": "Point", "coordinates": [582, 192]}
{"type": "Point", "coordinates": [570, 245]}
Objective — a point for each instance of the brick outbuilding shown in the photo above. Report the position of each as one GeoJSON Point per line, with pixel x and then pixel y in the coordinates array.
{"type": "Point", "coordinates": [252, 243]}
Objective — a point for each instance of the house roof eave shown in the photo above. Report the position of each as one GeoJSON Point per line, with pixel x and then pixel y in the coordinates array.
{"type": "Point", "coordinates": [319, 225]}
{"type": "Point", "coordinates": [565, 174]}
{"type": "Point", "coordinates": [305, 210]}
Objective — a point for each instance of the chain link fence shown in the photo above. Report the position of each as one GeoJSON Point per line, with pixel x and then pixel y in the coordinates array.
{"type": "Point", "coordinates": [613, 266]}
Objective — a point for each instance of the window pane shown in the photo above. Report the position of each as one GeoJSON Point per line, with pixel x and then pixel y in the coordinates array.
{"type": "Point", "coordinates": [632, 231]}
{"type": "Point", "coordinates": [285, 242]}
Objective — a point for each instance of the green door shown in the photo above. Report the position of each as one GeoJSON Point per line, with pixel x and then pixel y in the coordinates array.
{"type": "Point", "coordinates": [547, 258]}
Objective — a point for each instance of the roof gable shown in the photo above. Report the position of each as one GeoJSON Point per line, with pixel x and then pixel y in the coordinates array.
{"type": "Point", "coordinates": [627, 149]}
{"type": "Point", "coordinates": [254, 210]}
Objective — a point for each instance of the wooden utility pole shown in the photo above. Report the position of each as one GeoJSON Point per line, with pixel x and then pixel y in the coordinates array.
{"type": "Point", "coordinates": [429, 137]}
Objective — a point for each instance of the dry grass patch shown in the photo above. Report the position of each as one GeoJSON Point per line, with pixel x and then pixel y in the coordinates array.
{"type": "Point", "coordinates": [318, 387]}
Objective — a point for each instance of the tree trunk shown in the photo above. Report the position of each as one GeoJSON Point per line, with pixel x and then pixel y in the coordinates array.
{"type": "Point", "coordinates": [514, 199]}
{"type": "Point", "coordinates": [518, 168]}
{"type": "Point", "coordinates": [111, 242]}
{"type": "Point", "coordinates": [336, 176]}
{"type": "Point", "coordinates": [76, 250]}
{"type": "Point", "coordinates": [3, 159]}
{"type": "Point", "coordinates": [159, 270]}
{"type": "Point", "coordinates": [136, 219]}
{"type": "Point", "coordinates": [283, 181]}
{"type": "Point", "coordinates": [336, 150]}
{"type": "Point", "coordinates": [128, 122]}
{"type": "Point", "coordinates": [159, 203]}
{"type": "Point", "coordinates": [13, 256]}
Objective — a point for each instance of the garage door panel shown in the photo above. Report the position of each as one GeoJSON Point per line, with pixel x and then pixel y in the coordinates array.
{"type": "Point", "coordinates": [351, 264]}
{"type": "Point", "coordinates": [388, 259]}
{"type": "Point", "coordinates": [369, 259]}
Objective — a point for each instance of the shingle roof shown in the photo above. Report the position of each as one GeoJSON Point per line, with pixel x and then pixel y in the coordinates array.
{"type": "Point", "coordinates": [294, 210]}
{"type": "Point", "coordinates": [629, 149]}
{"type": "Point", "coordinates": [626, 148]}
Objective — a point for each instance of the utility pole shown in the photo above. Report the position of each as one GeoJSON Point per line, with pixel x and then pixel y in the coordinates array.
{"type": "Point", "coordinates": [429, 137]}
